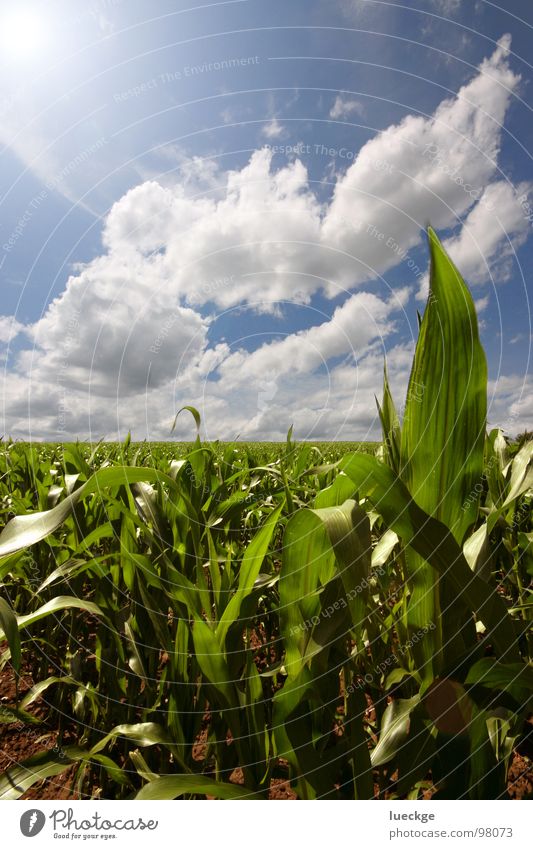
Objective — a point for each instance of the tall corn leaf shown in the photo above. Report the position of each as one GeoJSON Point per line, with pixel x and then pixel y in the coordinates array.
{"type": "Point", "coordinates": [443, 431]}
{"type": "Point", "coordinates": [395, 725]}
{"type": "Point", "coordinates": [308, 564]}
{"type": "Point", "coordinates": [323, 595]}
{"type": "Point", "coordinates": [390, 425]}
{"type": "Point", "coordinates": [437, 546]}
{"type": "Point", "coordinates": [318, 545]}
{"type": "Point", "coordinates": [250, 566]}
{"type": "Point", "coordinates": [442, 445]}
{"type": "Point", "coordinates": [348, 529]}
{"type": "Point", "coordinates": [212, 662]}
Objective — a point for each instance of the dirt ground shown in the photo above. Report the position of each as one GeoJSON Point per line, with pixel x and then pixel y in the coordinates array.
{"type": "Point", "coordinates": [19, 742]}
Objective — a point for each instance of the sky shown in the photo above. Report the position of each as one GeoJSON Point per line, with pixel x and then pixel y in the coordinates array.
{"type": "Point", "coordinates": [224, 205]}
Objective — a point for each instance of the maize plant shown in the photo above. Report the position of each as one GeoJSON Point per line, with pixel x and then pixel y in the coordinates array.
{"type": "Point", "coordinates": [205, 619]}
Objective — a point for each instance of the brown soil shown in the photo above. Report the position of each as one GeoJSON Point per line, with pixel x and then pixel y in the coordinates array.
{"type": "Point", "coordinates": [18, 742]}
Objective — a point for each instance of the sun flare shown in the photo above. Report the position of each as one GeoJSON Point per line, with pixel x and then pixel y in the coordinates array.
{"type": "Point", "coordinates": [22, 34]}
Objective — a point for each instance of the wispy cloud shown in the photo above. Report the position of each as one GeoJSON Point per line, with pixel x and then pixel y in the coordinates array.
{"type": "Point", "coordinates": [273, 130]}
{"type": "Point", "coordinates": [344, 107]}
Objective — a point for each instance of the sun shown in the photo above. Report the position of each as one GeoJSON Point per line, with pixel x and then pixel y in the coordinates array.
{"type": "Point", "coordinates": [22, 34]}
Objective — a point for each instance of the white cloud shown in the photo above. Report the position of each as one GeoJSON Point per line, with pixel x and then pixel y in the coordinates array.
{"type": "Point", "coordinates": [511, 403]}
{"type": "Point", "coordinates": [358, 8]}
{"type": "Point", "coordinates": [344, 107]}
{"type": "Point", "coordinates": [396, 184]}
{"type": "Point", "coordinates": [446, 7]}
{"type": "Point", "coordinates": [492, 232]}
{"type": "Point", "coordinates": [273, 130]}
{"type": "Point", "coordinates": [129, 340]}
{"type": "Point", "coordinates": [362, 319]}
{"type": "Point", "coordinates": [268, 232]}
{"type": "Point", "coordinates": [9, 328]}
{"type": "Point", "coordinates": [254, 400]}
{"type": "Point", "coordinates": [481, 304]}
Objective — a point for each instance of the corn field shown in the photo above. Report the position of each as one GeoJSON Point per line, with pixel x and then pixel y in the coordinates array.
{"type": "Point", "coordinates": [211, 618]}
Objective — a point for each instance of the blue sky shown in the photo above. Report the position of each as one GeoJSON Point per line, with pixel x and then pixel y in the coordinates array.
{"type": "Point", "coordinates": [224, 205]}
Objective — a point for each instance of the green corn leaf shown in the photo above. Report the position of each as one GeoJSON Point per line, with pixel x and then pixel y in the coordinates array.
{"type": "Point", "coordinates": [340, 490]}
{"type": "Point", "coordinates": [415, 755]}
{"type": "Point", "coordinates": [255, 714]}
{"type": "Point", "coordinates": [10, 629]}
{"type": "Point", "coordinates": [357, 741]}
{"type": "Point", "coordinates": [56, 605]}
{"type": "Point", "coordinates": [128, 549]}
{"type": "Point", "coordinates": [250, 566]}
{"type": "Point", "coordinates": [443, 432]}
{"type": "Point", "coordinates": [38, 689]}
{"type": "Point", "coordinates": [520, 482]}
{"type": "Point", "coordinates": [308, 564]}
{"type": "Point", "coordinates": [478, 553]}
{"type": "Point", "coordinates": [384, 548]}
{"type": "Point", "coordinates": [521, 473]}
{"type": "Point", "coordinates": [513, 678]}
{"type": "Point", "coordinates": [135, 661]}
{"type": "Point", "coordinates": [65, 572]}
{"type": "Point", "coordinates": [437, 546]}
{"type": "Point", "coordinates": [115, 772]}
{"type": "Point", "coordinates": [142, 767]}
{"type": "Point", "coordinates": [442, 444]}
{"type": "Point", "coordinates": [390, 425]}
{"type": "Point", "coordinates": [348, 529]}
{"type": "Point", "coordinates": [486, 774]}
{"type": "Point", "coordinates": [394, 732]}
{"type": "Point", "coordinates": [17, 779]}
{"type": "Point", "coordinates": [194, 413]}
{"type": "Point", "coordinates": [214, 571]}
{"type": "Point", "coordinates": [140, 734]}
{"type": "Point", "coordinates": [149, 508]}
{"type": "Point", "coordinates": [496, 460]}
{"type": "Point", "coordinates": [212, 663]}
{"type": "Point", "coordinates": [104, 531]}
{"type": "Point", "coordinates": [9, 715]}
{"type": "Point", "coordinates": [320, 545]}
{"type": "Point", "coordinates": [173, 786]}
{"type": "Point", "coordinates": [23, 531]}
{"type": "Point", "coordinates": [288, 708]}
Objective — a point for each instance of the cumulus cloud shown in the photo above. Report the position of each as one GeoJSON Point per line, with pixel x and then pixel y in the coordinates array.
{"type": "Point", "coordinates": [120, 339]}
{"type": "Point", "coordinates": [511, 403]}
{"type": "Point", "coordinates": [491, 233]}
{"type": "Point", "coordinates": [486, 244]}
{"type": "Point", "coordinates": [268, 231]}
{"type": "Point", "coordinates": [399, 185]}
{"type": "Point", "coordinates": [362, 319]}
{"type": "Point", "coordinates": [9, 328]}
{"type": "Point", "coordinates": [128, 341]}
